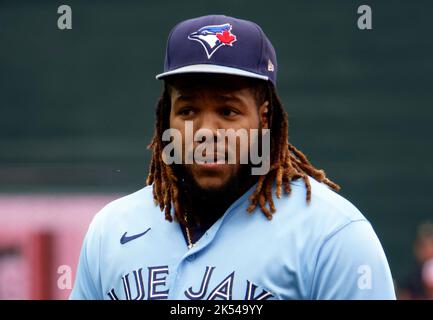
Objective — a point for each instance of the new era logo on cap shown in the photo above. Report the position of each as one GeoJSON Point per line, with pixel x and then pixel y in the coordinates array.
{"type": "Point", "coordinates": [220, 44]}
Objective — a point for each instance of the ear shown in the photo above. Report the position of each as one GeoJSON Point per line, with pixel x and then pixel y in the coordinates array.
{"type": "Point", "coordinates": [263, 115]}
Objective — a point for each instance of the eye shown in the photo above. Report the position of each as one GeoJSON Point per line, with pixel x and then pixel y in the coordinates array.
{"type": "Point", "coordinates": [186, 112]}
{"type": "Point", "coordinates": [229, 112]}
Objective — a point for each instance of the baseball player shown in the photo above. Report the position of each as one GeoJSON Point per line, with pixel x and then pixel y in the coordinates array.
{"type": "Point", "coordinates": [214, 230]}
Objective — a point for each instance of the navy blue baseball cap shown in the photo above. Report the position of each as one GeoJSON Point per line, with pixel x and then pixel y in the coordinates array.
{"type": "Point", "coordinates": [220, 44]}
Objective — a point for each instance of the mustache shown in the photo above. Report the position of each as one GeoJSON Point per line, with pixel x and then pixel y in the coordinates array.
{"type": "Point", "coordinates": [210, 151]}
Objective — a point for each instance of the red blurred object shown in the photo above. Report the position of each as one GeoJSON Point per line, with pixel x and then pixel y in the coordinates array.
{"type": "Point", "coordinates": [25, 265]}
{"type": "Point", "coordinates": [40, 235]}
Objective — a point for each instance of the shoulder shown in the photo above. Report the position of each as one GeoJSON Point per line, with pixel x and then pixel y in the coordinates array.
{"type": "Point", "coordinates": [137, 206]}
{"type": "Point", "coordinates": [334, 242]}
{"type": "Point", "coordinates": [327, 211]}
{"type": "Point", "coordinates": [306, 227]}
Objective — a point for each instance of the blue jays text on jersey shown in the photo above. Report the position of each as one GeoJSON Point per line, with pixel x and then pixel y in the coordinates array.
{"type": "Point", "coordinates": [322, 250]}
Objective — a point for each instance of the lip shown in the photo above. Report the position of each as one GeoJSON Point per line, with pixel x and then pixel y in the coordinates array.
{"type": "Point", "coordinates": [217, 159]}
{"type": "Point", "coordinates": [211, 166]}
{"type": "Point", "coordinates": [219, 162]}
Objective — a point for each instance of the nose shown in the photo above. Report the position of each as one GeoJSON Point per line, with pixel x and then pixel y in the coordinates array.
{"type": "Point", "coordinates": [208, 121]}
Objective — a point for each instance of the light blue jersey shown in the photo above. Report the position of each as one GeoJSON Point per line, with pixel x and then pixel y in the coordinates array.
{"type": "Point", "coordinates": [322, 250]}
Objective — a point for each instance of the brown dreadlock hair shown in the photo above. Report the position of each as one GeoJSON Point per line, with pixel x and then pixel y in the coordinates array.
{"type": "Point", "coordinates": [287, 162]}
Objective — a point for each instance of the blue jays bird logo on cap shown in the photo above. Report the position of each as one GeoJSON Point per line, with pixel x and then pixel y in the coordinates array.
{"type": "Point", "coordinates": [214, 37]}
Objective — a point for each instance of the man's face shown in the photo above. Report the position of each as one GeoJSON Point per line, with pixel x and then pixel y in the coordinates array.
{"type": "Point", "coordinates": [222, 102]}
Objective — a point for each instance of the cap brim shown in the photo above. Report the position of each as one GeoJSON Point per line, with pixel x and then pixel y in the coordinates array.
{"type": "Point", "coordinates": [211, 68]}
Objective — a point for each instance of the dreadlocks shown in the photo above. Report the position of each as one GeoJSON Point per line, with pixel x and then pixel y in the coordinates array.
{"type": "Point", "coordinates": [287, 162]}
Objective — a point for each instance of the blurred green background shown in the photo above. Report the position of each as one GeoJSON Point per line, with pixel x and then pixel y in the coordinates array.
{"type": "Point", "coordinates": [77, 106]}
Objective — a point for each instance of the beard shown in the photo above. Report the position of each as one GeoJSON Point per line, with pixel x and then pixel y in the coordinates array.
{"type": "Point", "coordinates": [234, 184]}
{"type": "Point", "coordinates": [208, 204]}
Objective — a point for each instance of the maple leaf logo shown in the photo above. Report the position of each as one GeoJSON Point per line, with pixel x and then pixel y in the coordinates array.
{"type": "Point", "coordinates": [226, 37]}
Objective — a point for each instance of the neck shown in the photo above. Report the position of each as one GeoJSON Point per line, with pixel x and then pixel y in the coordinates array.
{"type": "Point", "coordinates": [205, 207]}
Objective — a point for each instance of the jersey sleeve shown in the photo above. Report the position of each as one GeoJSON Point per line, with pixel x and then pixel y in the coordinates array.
{"type": "Point", "coordinates": [87, 284]}
{"type": "Point", "coordinates": [351, 265]}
